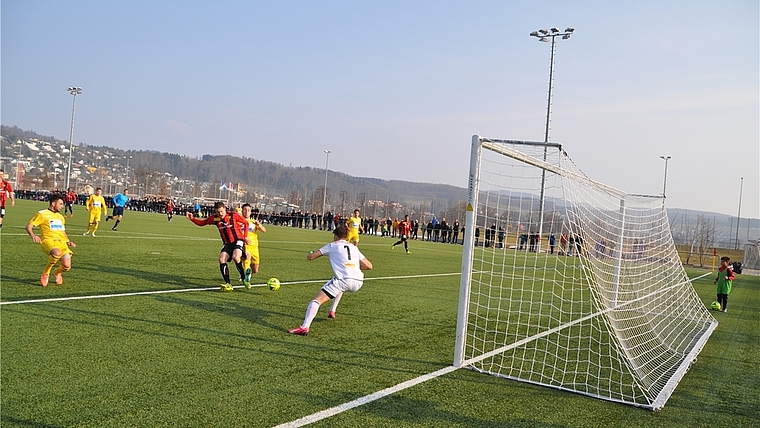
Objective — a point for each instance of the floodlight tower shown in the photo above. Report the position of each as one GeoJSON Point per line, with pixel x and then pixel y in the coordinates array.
{"type": "Point", "coordinates": [73, 90]}
{"type": "Point", "coordinates": [324, 197]}
{"type": "Point", "coordinates": [665, 181]}
{"type": "Point", "coordinates": [544, 35]}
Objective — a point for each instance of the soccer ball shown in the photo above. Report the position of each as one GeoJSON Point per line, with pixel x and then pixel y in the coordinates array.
{"type": "Point", "coordinates": [274, 284]}
{"type": "Point", "coordinates": [714, 305]}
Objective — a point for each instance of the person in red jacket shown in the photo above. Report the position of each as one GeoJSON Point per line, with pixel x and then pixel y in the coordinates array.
{"type": "Point", "coordinates": [234, 233]}
{"type": "Point", "coordinates": [6, 191]}
{"type": "Point", "coordinates": [404, 228]}
{"type": "Point", "coordinates": [69, 200]}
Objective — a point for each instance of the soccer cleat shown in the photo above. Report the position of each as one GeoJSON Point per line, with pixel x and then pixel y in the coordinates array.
{"type": "Point", "coordinates": [44, 279]}
{"type": "Point", "coordinates": [301, 331]}
{"type": "Point", "coordinates": [393, 246]}
{"type": "Point", "coordinates": [408, 252]}
{"type": "Point", "coordinates": [247, 284]}
{"type": "Point", "coordinates": [93, 234]}
{"type": "Point", "coordinates": [108, 218]}
{"type": "Point", "coordinates": [84, 234]}
{"type": "Point", "coordinates": [114, 229]}
{"type": "Point", "coordinates": [226, 287]}
{"type": "Point", "coordinates": [58, 278]}
{"type": "Point", "coordinates": [248, 273]}
{"type": "Point", "coordinates": [331, 315]}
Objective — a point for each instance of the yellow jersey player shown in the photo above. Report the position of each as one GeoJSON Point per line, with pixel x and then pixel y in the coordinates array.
{"type": "Point", "coordinates": [96, 205]}
{"type": "Point", "coordinates": [251, 262]}
{"type": "Point", "coordinates": [354, 225]}
{"type": "Point", "coordinates": [53, 241]}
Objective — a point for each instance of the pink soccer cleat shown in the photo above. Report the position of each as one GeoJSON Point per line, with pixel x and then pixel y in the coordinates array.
{"type": "Point", "coordinates": [331, 315]}
{"type": "Point", "coordinates": [301, 331]}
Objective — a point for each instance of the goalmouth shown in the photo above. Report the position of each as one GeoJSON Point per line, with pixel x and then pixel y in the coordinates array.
{"type": "Point", "coordinates": [570, 283]}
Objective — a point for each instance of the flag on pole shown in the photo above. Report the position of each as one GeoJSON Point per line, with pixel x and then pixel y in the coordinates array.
{"type": "Point", "coordinates": [230, 187]}
{"type": "Point", "coordinates": [223, 186]}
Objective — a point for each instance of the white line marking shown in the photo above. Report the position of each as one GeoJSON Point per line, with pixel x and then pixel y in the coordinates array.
{"type": "Point", "coordinates": [183, 290]}
{"type": "Point", "coordinates": [314, 417]}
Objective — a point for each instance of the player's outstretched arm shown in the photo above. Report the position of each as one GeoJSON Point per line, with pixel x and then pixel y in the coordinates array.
{"type": "Point", "coordinates": [30, 231]}
{"type": "Point", "coordinates": [313, 255]}
{"type": "Point", "coordinates": [365, 264]}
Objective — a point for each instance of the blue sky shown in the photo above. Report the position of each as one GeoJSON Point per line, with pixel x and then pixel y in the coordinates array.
{"type": "Point", "coordinates": [396, 89]}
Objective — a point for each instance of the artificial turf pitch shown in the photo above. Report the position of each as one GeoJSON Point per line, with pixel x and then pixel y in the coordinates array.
{"type": "Point", "coordinates": [190, 355]}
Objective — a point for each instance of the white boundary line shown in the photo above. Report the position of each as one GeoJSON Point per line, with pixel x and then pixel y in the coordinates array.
{"type": "Point", "coordinates": [314, 417]}
{"type": "Point", "coordinates": [183, 290]}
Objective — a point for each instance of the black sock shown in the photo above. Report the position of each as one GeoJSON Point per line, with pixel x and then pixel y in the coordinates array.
{"type": "Point", "coordinates": [240, 268]}
{"type": "Point", "coordinates": [117, 223]}
{"type": "Point", "coordinates": [225, 272]}
{"type": "Point", "coordinates": [406, 247]}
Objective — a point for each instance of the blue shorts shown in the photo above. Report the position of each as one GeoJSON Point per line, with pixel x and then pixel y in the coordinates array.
{"type": "Point", "coordinates": [118, 211]}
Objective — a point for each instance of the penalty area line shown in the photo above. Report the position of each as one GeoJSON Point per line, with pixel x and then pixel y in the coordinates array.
{"type": "Point", "coordinates": [183, 290]}
{"type": "Point", "coordinates": [314, 417]}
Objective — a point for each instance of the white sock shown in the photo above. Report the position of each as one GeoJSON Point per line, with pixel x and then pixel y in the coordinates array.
{"type": "Point", "coordinates": [311, 312]}
{"type": "Point", "coordinates": [335, 302]}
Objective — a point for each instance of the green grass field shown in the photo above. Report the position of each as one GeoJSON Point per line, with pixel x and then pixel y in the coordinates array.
{"type": "Point", "coordinates": [190, 355]}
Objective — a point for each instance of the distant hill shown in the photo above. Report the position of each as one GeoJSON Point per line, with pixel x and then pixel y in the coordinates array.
{"type": "Point", "coordinates": [253, 174]}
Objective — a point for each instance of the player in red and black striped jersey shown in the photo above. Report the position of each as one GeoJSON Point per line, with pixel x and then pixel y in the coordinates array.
{"type": "Point", "coordinates": [6, 191]}
{"type": "Point", "coordinates": [234, 232]}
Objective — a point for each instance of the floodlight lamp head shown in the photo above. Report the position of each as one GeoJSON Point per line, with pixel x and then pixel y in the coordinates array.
{"type": "Point", "coordinates": [543, 31]}
{"type": "Point", "coordinates": [534, 34]}
{"type": "Point", "coordinates": [543, 39]}
{"type": "Point", "coordinates": [555, 30]}
{"type": "Point", "coordinates": [565, 37]}
{"type": "Point", "coordinates": [569, 29]}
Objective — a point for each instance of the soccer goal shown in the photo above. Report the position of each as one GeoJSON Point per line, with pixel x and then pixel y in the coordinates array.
{"type": "Point", "coordinates": [570, 283]}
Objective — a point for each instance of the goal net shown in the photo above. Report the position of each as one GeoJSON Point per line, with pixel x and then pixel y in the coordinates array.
{"type": "Point", "coordinates": [572, 284]}
{"type": "Point", "coordinates": [751, 255]}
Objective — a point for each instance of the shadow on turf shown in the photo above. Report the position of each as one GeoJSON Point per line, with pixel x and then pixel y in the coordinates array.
{"type": "Point", "coordinates": [148, 277]}
{"type": "Point", "coordinates": [24, 423]}
{"type": "Point", "coordinates": [309, 351]}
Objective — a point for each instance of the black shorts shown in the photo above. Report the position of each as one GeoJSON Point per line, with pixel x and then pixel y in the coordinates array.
{"type": "Point", "coordinates": [118, 211]}
{"type": "Point", "coordinates": [230, 248]}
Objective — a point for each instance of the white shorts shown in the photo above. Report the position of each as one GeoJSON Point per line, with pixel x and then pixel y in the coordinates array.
{"type": "Point", "coordinates": [336, 286]}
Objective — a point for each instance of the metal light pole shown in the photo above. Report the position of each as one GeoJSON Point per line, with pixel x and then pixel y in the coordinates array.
{"type": "Point", "coordinates": [665, 181]}
{"type": "Point", "coordinates": [74, 91]}
{"type": "Point", "coordinates": [127, 171]}
{"type": "Point", "coordinates": [324, 197]}
{"type": "Point", "coordinates": [739, 215]}
{"type": "Point", "coordinates": [544, 35]}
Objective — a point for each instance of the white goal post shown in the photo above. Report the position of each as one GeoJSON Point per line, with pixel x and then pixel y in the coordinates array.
{"type": "Point", "coordinates": [570, 283]}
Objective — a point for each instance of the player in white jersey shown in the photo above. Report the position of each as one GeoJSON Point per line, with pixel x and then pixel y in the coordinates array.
{"type": "Point", "coordinates": [347, 263]}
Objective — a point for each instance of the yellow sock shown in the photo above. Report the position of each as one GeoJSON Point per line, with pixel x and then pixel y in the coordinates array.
{"type": "Point", "coordinates": [246, 264]}
{"type": "Point", "coordinates": [50, 263]}
{"type": "Point", "coordinates": [95, 227]}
